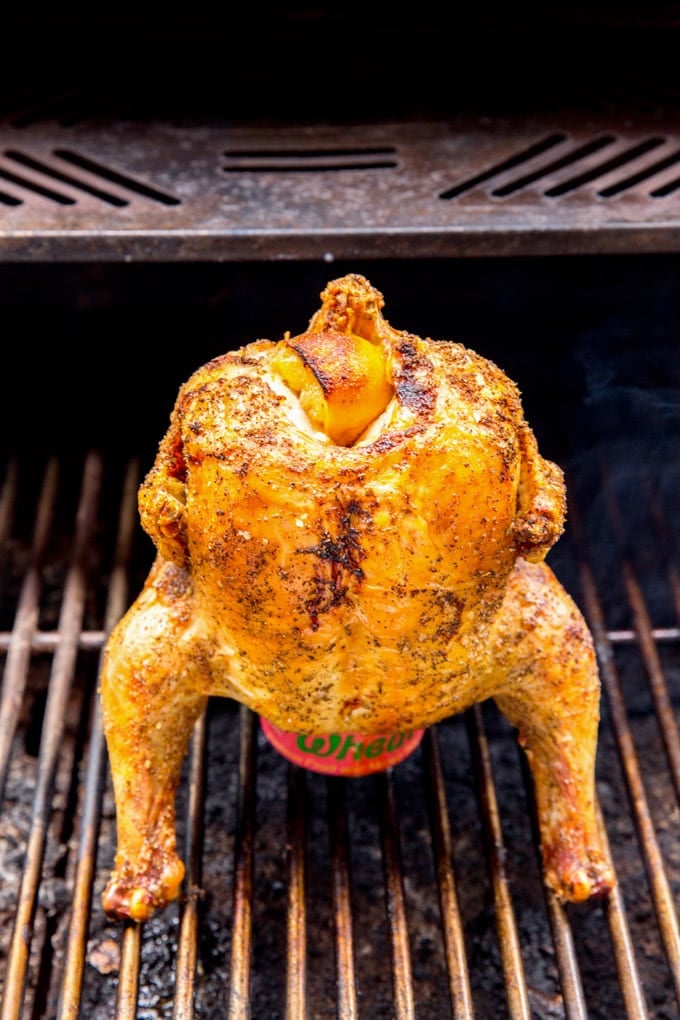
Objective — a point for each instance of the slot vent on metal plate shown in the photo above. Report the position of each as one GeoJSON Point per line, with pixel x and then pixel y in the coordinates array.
{"type": "Point", "coordinates": [6, 199]}
{"type": "Point", "coordinates": [302, 160]}
{"type": "Point", "coordinates": [622, 159]}
{"type": "Point", "coordinates": [29, 184]}
{"type": "Point", "coordinates": [581, 152]}
{"type": "Point", "coordinates": [629, 159]}
{"type": "Point", "coordinates": [644, 175]}
{"type": "Point", "coordinates": [519, 159]}
{"type": "Point", "coordinates": [43, 178]}
{"type": "Point", "coordinates": [666, 189]}
{"type": "Point", "coordinates": [39, 166]}
{"type": "Point", "coordinates": [109, 174]}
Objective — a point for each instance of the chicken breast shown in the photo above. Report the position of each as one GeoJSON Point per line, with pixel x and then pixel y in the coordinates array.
{"type": "Point", "coordinates": [351, 526]}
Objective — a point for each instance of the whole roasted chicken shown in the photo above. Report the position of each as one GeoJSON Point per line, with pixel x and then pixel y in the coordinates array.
{"type": "Point", "coordinates": [350, 527]}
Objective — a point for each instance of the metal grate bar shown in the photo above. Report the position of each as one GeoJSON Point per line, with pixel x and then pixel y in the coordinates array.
{"type": "Point", "coordinates": [657, 682]}
{"type": "Point", "coordinates": [92, 640]}
{"type": "Point", "coordinates": [402, 979]}
{"type": "Point", "coordinates": [130, 962]}
{"type": "Point", "coordinates": [619, 637]}
{"type": "Point", "coordinates": [53, 726]}
{"type": "Point", "coordinates": [128, 983]}
{"type": "Point", "coordinates": [49, 640]}
{"type": "Point", "coordinates": [516, 987]}
{"type": "Point", "coordinates": [454, 937]}
{"type": "Point", "coordinates": [244, 850]}
{"type": "Point", "coordinates": [573, 998]}
{"type": "Point", "coordinates": [567, 962]}
{"type": "Point", "coordinates": [296, 972]}
{"type": "Point", "coordinates": [340, 876]}
{"type": "Point", "coordinates": [648, 649]}
{"type": "Point", "coordinates": [25, 624]}
{"type": "Point", "coordinates": [187, 952]}
{"type": "Point", "coordinates": [71, 985]}
{"type": "Point", "coordinates": [624, 955]}
{"type": "Point", "coordinates": [651, 853]}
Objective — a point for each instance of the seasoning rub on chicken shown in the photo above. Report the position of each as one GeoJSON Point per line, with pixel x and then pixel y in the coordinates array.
{"type": "Point", "coordinates": [351, 527]}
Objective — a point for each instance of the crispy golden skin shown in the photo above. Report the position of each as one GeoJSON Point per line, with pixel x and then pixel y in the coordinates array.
{"type": "Point", "coordinates": [342, 568]}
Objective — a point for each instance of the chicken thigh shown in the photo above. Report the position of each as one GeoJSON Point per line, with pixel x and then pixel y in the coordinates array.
{"type": "Point", "coordinates": [351, 527]}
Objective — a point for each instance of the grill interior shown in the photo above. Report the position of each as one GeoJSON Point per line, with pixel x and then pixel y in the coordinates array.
{"type": "Point", "coordinates": [173, 190]}
{"type": "Point", "coordinates": [414, 893]}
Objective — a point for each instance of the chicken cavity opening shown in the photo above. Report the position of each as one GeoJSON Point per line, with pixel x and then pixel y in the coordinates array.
{"type": "Point", "coordinates": [340, 381]}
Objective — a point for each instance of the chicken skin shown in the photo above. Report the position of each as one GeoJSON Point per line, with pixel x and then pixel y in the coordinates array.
{"type": "Point", "coordinates": [351, 527]}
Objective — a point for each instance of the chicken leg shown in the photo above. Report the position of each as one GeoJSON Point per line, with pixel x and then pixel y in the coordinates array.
{"type": "Point", "coordinates": [543, 658]}
{"type": "Point", "coordinates": [151, 701]}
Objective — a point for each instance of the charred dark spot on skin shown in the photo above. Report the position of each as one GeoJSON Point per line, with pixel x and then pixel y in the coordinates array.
{"type": "Point", "coordinates": [451, 609]}
{"type": "Point", "coordinates": [414, 395]}
{"type": "Point", "coordinates": [414, 387]}
{"type": "Point", "coordinates": [389, 440]}
{"type": "Point", "coordinates": [338, 562]}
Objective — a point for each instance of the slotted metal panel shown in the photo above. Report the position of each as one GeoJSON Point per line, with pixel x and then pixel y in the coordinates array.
{"type": "Point", "coordinates": [158, 191]}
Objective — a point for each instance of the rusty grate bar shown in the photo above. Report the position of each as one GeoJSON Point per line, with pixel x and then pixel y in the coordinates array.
{"type": "Point", "coordinates": [624, 955]}
{"type": "Point", "coordinates": [242, 921]}
{"type": "Point", "coordinates": [128, 985]}
{"type": "Point", "coordinates": [511, 955]}
{"type": "Point", "coordinates": [454, 936]}
{"type": "Point", "coordinates": [570, 978]}
{"type": "Point", "coordinates": [572, 996]}
{"type": "Point", "coordinates": [402, 980]}
{"type": "Point", "coordinates": [296, 972]}
{"type": "Point", "coordinates": [71, 984]}
{"type": "Point", "coordinates": [187, 950]}
{"type": "Point", "coordinates": [574, 1000]}
{"type": "Point", "coordinates": [341, 880]}
{"type": "Point", "coordinates": [92, 640]}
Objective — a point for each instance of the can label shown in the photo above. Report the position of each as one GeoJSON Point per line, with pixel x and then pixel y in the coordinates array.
{"type": "Point", "coordinates": [343, 754]}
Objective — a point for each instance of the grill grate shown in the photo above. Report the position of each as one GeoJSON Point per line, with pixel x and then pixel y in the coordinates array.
{"type": "Point", "coordinates": [412, 893]}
